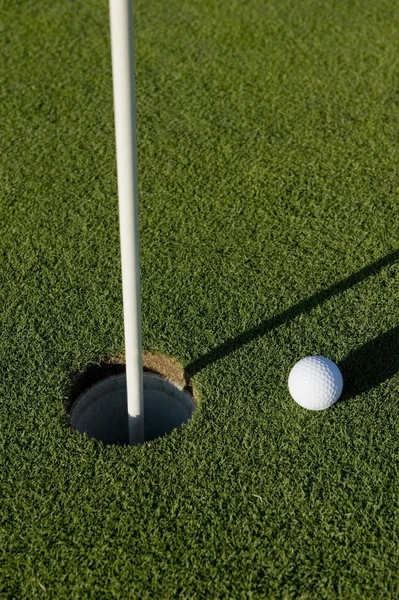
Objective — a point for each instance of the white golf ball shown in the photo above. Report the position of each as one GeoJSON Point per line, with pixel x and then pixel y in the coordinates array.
{"type": "Point", "coordinates": [315, 382]}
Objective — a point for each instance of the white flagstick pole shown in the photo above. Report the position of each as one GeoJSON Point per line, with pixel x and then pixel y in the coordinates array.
{"type": "Point", "coordinates": [122, 45]}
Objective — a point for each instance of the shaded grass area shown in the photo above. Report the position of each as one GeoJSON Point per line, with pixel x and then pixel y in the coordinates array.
{"type": "Point", "coordinates": [268, 158]}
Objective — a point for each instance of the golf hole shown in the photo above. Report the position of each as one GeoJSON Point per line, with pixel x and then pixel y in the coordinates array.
{"type": "Point", "coordinates": [100, 411]}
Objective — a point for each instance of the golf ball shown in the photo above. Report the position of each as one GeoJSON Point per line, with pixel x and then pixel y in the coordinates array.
{"type": "Point", "coordinates": [315, 382]}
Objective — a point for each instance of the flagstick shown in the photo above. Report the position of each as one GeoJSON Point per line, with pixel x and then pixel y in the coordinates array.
{"type": "Point", "coordinates": [122, 46]}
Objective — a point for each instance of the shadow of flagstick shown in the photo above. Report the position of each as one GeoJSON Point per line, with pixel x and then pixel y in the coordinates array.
{"type": "Point", "coordinates": [371, 364]}
{"type": "Point", "coordinates": [305, 306]}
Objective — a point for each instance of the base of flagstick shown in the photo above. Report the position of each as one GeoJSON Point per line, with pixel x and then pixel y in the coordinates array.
{"type": "Point", "coordinates": [101, 411]}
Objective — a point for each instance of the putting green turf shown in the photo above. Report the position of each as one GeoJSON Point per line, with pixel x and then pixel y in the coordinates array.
{"type": "Point", "coordinates": [269, 217]}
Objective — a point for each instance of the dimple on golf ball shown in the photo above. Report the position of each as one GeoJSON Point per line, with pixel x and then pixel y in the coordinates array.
{"type": "Point", "coordinates": [315, 382]}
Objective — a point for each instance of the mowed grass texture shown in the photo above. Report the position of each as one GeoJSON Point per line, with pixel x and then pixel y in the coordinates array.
{"type": "Point", "coordinates": [269, 218]}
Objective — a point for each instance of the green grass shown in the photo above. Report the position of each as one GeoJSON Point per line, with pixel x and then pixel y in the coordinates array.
{"type": "Point", "coordinates": [268, 165]}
